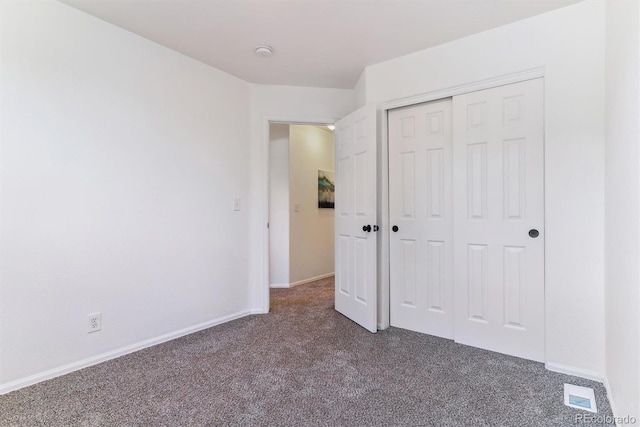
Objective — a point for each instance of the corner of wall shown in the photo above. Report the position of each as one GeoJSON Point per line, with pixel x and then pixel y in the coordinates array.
{"type": "Point", "coordinates": [360, 90]}
{"type": "Point", "coordinates": [622, 204]}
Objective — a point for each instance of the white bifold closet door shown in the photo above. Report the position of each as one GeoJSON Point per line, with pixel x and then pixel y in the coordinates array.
{"type": "Point", "coordinates": [466, 193]}
{"type": "Point", "coordinates": [420, 212]}
{"type": "Point", "coordinates": [498, 152]}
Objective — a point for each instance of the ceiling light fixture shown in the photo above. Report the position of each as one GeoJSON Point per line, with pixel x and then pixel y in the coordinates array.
{"type": "Point", "coordinates": [264, 51]}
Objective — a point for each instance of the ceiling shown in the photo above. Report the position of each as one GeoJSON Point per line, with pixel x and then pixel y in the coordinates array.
{"type": "Point", "coordinates": [322, 43]}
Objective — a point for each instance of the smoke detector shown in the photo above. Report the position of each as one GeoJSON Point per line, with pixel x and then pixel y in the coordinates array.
{"type": "Point", "coordinates": [264, 50]}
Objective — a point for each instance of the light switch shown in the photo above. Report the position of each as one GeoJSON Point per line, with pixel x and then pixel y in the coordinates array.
{"type": "Point", "coordinates": [236, 204]}
{"type": "Point", "coordinates": [296, 207]}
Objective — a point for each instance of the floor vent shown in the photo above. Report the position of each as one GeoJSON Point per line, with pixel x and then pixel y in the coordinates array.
{"type": "Point", "coordinates": [580, 397]}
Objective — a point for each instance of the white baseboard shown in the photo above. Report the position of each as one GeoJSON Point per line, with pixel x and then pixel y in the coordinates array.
{"type": "Point", "coordinates": [279, 285]}
{"type": "Point", "coordinates": [311, 279]}
{"type": "Point", "coordinates": [300, 282]}
{"type": "Point", "coordinates": [576, 372]}
{"type": "Point", "coordinates": [94, 360]}
{"type": "Point", "coordinates": [612, 403]}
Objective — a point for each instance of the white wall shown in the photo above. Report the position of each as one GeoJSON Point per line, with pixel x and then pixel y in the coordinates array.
{"type": "Point", "coordinates": [360, 90]}
{"type": "Point", "coordinates": [569, 44]}
{"type": "Point", "coordinates": [120, 161]}
{"type": "Point", "coordinates": [622, 162]}
{"type": "Point", "coordinates": [311, 228]}
{"type": "Point", "coordinates": [289, 104]}
{"type": "Point", "coordinates": [279, 205]}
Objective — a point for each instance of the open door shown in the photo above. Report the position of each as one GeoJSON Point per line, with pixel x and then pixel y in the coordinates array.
{"type": "Point", "coordinates": [355, 223]}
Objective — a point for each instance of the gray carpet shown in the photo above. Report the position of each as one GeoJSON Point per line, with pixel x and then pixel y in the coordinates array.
{"type": "Point", "coordinates": [302, 365]}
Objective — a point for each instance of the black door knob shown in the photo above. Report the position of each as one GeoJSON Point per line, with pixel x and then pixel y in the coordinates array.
{"type": "Point", "coordinates": [394, 228]}
{"type": "Point", "coordinates": [366, 228]}
{"type": "Point", "coordinates": [376, 228]}
{"type": "Point", "coordinates": [533, 233]}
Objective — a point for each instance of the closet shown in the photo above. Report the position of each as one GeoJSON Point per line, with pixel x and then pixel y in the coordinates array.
{"type": "Point", "coordinates": [466, 209]}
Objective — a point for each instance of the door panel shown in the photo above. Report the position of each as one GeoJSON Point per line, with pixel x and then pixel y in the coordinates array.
{"type": "Point", "coordinates": [356, 257]}
{"type": "Point", "coordinates": [420, 205]}
{"type": "Point", "coordinates": [499, 197]}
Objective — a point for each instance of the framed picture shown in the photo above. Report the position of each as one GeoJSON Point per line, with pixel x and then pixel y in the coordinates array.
{"type": "Point", "coordinates": [326, 189]}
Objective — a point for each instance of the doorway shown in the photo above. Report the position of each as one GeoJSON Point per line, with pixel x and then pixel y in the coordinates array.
{"type": "Point", "coordinates": [301, 214]}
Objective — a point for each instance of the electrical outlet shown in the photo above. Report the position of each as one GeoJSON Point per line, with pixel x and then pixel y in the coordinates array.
{"type": "Point", "coordinates": [95, 322]}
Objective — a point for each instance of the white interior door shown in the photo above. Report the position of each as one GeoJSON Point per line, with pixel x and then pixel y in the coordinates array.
{"type": "Point", "coordinates": [499, 219]}
{"type": "Point", "coordinates": [355, 204]}
{"type": "Point", "coordinates": [421, 216]}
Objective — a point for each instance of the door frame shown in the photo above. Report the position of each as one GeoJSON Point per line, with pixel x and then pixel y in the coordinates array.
{"type": "Point", "coordinates": [266, 122]}
{"type": "Point", "coordinates": [384, 258]}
